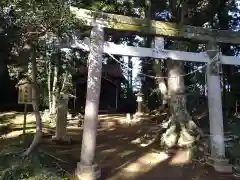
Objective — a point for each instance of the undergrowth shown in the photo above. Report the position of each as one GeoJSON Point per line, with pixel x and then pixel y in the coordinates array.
{"type": "Point", "coordinates": [39, 166]}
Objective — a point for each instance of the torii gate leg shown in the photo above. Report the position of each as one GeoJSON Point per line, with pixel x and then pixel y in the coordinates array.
{"type": "Point", "coordinates": [215, 112]}
{"type": "Point", "coordinates": [86, 169]}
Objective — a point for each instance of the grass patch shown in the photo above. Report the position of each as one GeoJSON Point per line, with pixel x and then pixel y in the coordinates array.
{"type": "Point", "coordinates": [39, 166]}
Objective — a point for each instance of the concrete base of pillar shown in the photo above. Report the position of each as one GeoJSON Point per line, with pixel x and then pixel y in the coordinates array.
{"type": "Point", "coordinates": [220, 165]}
{"type": "Point", "coordinates": [84, 172]}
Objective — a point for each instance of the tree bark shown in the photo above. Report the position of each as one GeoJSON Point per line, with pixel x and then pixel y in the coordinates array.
{"type": "Point", "coordinates": [64, 82]}
{"type": "Point", "coordinates": [49, 86]}
{"type": "Point", "coordinates": [179, 132]}
{"type": "Point", "coordinates": [35, 104]}
{"type": "Point", "coordinates": [158, 44]}
{"type": "Point", "coordinates": [129, 88]}
{"type": "Point", "coordinates": [55, 92]}
{"type": "Point", "coordinates": [162, 88]}
{"type": "Point", "coordinates": [6, 88]}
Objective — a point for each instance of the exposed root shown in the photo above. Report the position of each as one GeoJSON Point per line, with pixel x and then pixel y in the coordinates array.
{"type": "Point", "coordinates": [35, 142]}
{"type": "Point", "coordinates": [149, 138]}
{"type": "Point", "coordinates": [172, 133]}
{"type": "Point", "coordinates": [185, 138]}
{"type": "Point", "coordinates": [170, 137]}
{"type": "Point", "coordinates": [180, 134]}
{"type": "Point", "coordinates": [63, 170]}
{"type": "Point", "coordinates": [50, 155]}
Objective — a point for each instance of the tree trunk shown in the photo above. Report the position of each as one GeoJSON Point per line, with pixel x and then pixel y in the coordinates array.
{"type": "Point", "coordinates": [224, 94]}
{"type": "Point", "coordinates": [55, 91]}
{"type": "Point", "coordinates": [177, 133]}
{"type": "Point", "coordinates": [6, 88]}
{"type": "Point", "coordinates": [162, 85]}
{"type": "Point", "coordinates": [35, 104]}
{"type": "Point", "coordinates": [181, 131]}
{"type": "Point", "coordinates": [129, 74]}
{"type": "Point", "coordinates": [65, 79]}
{"type": "Point", "coordinates": [158, 43]}
{"type": "Point", "coordinates": [49, 86]}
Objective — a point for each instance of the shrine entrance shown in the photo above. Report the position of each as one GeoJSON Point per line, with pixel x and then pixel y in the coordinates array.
{"type": "Point", "coordinates": [97, 46]}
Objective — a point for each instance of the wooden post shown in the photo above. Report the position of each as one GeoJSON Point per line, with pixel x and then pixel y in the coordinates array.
{"type": "Point", "coordinates": [86, 169]}
{"type": "Point", "coordinates": [215, 109]}
{"type": "Point", "coordinates": [116, 100]}
{"type": "Point", "coordinates": [24, 119]}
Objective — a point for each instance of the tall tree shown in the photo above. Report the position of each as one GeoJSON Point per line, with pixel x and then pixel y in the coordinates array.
{"type": "Point", "coordinates": [33, 20]}
{"type": "Point", "coordinates": [194, 13]}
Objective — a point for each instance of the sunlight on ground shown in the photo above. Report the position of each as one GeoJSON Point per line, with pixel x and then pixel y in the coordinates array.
{"type": "Point", "coordinates": [112, 117]}
{"type": "Point", "coordinates": [14, 134]}
{"type": "Point", "coordinates": [19, 119]}
{"type": "Point", "coordinates": [126, 153]}
{"type": "Point", "coordinates": [109, 150]}
{"type": "Point", "coordinates": [146, 162]}
{"type": "Point", "coordinates": [181, 157]}
{"type": "Point", "coordinates": [142, 165]}
{"type": "Point", "coordinates": [10, 114]}
{"type": "Point", "coordinates": [149, 161]}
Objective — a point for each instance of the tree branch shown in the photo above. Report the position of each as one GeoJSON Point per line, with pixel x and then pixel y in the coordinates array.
{"type": "Point", "coordinates": [208, 12]}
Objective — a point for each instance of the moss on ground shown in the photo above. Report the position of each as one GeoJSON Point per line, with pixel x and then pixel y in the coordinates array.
{"type": "Point", "coordinates": [38, 166]}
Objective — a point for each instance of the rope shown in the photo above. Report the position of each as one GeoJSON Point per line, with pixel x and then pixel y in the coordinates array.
{"type": "Point", "coordinates": [165, 77]}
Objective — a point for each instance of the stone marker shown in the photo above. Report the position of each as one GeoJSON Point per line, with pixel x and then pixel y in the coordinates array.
{"type": "Point", "coordinates": [61, 119]}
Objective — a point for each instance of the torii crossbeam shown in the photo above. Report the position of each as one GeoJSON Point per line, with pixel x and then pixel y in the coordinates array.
{"type": "Point", "coordinates": [100, 21]}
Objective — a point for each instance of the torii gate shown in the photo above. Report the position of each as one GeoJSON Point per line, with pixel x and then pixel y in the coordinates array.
{"type": "Point", "coordinates": [96, 46]}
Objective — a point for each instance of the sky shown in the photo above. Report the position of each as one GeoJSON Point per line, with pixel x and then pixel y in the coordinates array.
{"type": "Point", "coordinates": [136, 60]}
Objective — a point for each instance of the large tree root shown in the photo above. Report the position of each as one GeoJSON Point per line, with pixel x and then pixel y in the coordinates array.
{"type": "Point", "coordinates": [171, 133]}
{"type": "Point", "coordinates": [35, 142]}
{"type": "Point", "coordinates": [183, 134]}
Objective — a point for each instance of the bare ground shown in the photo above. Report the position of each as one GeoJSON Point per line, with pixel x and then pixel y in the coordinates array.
{"type": "Point", "coordinates": [121, 158]}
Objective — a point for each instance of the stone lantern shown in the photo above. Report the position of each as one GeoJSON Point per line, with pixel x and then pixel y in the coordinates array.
{"type": "Point", "coordinates": [140, 104]}
{"type": "Point", "coordinates": [61, 119]}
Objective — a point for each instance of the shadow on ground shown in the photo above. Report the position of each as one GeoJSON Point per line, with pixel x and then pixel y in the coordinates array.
{"type": "Point", "coordinates": [120, 156]}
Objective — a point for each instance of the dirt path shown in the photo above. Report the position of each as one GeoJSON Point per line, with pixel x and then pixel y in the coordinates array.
{"type": "Point", "coordinates": [121, 159]}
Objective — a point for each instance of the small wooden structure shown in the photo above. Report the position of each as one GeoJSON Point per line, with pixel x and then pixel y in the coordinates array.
{"type": "Point", "coordinates": [24, 92]}
{"type": "Point", "coordinates": [24, 97]}
{"type": "Point", "coordinates": [112, 77]}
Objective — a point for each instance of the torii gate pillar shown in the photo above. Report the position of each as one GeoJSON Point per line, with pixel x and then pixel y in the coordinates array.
{"type": "Point", "coordinates": [215, 110]}
{"type": "Point", "coordinates": [86, 168]}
